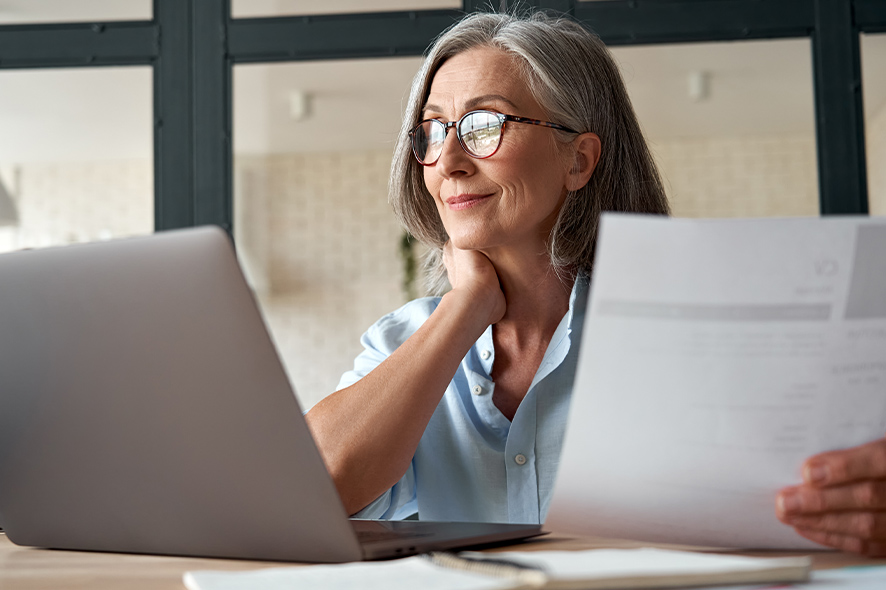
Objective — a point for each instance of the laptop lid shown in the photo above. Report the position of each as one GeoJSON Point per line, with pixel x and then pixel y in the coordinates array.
{"type": "Point", "coordinates": [143, 408]}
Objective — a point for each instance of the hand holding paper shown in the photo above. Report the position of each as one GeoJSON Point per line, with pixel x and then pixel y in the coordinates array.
{"type": "Point", "coordinates": [842, 502]}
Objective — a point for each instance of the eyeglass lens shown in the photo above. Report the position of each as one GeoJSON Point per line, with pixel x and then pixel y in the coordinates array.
{"type": "Point", "coordinates": [479, 133]}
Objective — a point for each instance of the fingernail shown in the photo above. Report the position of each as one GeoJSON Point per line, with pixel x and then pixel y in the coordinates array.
{"type": "Point", "coordinates": [789, 503]}
{"type": "Point", "coordinates": [817, 474]}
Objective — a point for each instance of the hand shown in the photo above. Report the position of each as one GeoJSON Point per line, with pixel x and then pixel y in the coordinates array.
{"type": "Point", "coordinates": [842, 502]}
{"type": "Point", "coordinates": [472, 273]}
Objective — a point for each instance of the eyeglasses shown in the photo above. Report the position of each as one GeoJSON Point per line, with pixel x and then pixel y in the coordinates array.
{"type": "Point", "coordinates": [479, 134]}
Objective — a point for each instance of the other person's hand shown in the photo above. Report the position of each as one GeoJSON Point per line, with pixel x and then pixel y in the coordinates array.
{"type": "Point", "coordinates": [472, 273]}
{"type": "Point", "coordinates": [842, 500]}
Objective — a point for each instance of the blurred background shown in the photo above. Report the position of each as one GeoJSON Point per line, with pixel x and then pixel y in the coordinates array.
{"type": "Point", "coordinates": [731, 124]}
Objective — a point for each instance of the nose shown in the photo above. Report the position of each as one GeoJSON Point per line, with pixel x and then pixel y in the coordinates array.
{"type": "Point", "coordinates": [453, 160]}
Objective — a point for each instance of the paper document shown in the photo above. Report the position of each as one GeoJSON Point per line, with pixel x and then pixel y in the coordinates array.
{"type": "Point", "coordinates": [399, 574]}
{"type": "Point", "coordinates": [717, 355]}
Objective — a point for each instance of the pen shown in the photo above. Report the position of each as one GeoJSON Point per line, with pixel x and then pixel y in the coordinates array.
{"type": "Point", "coordinates": [530, 576]}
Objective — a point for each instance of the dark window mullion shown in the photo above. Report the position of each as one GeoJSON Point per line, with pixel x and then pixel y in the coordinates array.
{"type": "Point", "coordinates": [338, 36]}
{"type": "Point", "coordinates": [563, 6]}
{"type": "Point", "coordinates": [213, 176]}
{"type": "Point", "coordinates": [839, 115]}
{"type": "Point", "coordinates": [78, 44]}
{"type": "Point", "coordinates": [173, 121]}
{"type": "Point", "coordinates": [870, 15]}
{"type": "Point", "coordinates": [622, 22]}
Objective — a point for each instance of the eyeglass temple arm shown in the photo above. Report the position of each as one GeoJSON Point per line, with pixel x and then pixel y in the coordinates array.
{"type": "Point", "coordinates": [517, 119]}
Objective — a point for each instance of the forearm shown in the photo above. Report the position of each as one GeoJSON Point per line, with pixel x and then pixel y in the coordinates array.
{"type": "Point", "coordinates": [368, 432]}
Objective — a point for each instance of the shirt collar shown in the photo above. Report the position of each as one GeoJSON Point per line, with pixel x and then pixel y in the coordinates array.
{"type": "Point", "coordinates": [561, 341]}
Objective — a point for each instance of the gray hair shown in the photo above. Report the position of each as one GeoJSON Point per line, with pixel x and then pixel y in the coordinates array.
{"type": "Point", "coordinates": [571, 74]}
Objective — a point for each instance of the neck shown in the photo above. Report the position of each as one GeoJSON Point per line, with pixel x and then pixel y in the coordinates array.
{"type": "Point", "coordinates": [537, 298]}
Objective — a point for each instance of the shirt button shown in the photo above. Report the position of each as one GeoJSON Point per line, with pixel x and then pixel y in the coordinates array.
{"type": "Point", "coordinates": [520, 459]}
{"type": "Point", "coordinates": [477, 390]}
{"type": "Point", "coordinates": [485, 355]}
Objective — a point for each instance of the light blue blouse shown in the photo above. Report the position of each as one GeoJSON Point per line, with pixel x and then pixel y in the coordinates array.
{"type": "Point", "coordinates": [472, 463]}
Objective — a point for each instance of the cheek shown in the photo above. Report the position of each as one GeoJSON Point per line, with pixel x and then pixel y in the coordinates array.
{"type": "Point", "coordinates": [550, 176]}
{"type": "Point", "coordinates": [538, 167]}
{"type": "Point", "coordinates": [532, 182]}
{"type": "Point", "coordinates": [432, 181]}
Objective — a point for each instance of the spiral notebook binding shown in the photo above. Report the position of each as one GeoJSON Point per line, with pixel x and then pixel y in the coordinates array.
{"type": "Point", "coordinates": [528, 576]}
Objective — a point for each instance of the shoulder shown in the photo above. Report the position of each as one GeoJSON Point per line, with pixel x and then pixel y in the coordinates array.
{"type": "Point", "coordinates": [395, 328]}
{"type": "Point", "coordinates": [386, 335]}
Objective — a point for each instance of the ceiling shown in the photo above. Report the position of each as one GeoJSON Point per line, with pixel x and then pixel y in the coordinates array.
{"type": "Point", "coordinates": [757, 88]}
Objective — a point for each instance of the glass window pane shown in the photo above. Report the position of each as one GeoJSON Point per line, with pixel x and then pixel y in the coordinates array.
{"type": "Point", "coordinates": [315, 234]}
{"type": "Point", "coordinates": [731, 125]}
{"type": "Point", "coordinates": [76, 155]}
{"type": "Point", "coordinates": [41, 11]}
{"type": "Point", "coordinates": [259, 8]}
{"type": "Point", "coordinates": [873, 56]}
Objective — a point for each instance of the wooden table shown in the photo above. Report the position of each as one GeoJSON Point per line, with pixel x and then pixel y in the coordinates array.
{"type": "Point", "coordinates": [23, 568]}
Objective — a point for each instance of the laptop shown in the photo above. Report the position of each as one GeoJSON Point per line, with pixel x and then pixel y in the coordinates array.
{"type": "Point", "coordinates": [144, 409]}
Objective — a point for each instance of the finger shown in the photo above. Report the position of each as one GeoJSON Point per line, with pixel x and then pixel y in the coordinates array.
{"type": "Point", "coordinates": [863, 495]}
{"type": "Point", "coordinates": [868, 526]}
{"type": "Point", "coordinates": [845, 543]}
{"type": "Point", "coordinates": [867, 461]}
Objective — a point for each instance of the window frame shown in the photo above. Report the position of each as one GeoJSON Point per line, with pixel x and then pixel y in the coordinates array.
{"type": "Point", "coordinates": [193, 45]}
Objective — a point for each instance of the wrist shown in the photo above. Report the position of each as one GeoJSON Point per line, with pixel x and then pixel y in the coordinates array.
{"type": "Point", "coordinates": [476, 310]}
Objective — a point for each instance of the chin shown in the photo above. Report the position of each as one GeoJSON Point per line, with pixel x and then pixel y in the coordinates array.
{"type": "Point", "coordinates": [472, 236]}
{"type": "Point", "coordinates": [469, 242]}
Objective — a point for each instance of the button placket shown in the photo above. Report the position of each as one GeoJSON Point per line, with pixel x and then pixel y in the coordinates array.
{"type": "Point", "coordinates": [520, 460]}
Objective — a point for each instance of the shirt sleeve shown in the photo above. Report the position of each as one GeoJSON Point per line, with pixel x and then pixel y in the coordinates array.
{"type": "Point", "coordinates": [379, 341]}
{"type": "Point", "coordinates": [386, 335]}
{"type": "Point", "coordinates": [397, 503]}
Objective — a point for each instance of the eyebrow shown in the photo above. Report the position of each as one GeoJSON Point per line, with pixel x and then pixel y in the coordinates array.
{"type": "Point", "coordinates": [472, 103]}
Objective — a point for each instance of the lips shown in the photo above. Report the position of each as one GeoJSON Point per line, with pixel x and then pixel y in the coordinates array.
{"type": "Point", "coordinates": [465, 200]}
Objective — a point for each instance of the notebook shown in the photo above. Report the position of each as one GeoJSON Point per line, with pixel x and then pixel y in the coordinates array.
{"type": "Point", "coordinates": [554, 570]}
{"type": "Point", "coordinates": [143, 409]}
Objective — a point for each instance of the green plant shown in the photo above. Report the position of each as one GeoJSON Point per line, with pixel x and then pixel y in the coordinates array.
{"type": "Point", "coordinates": [407, 256]}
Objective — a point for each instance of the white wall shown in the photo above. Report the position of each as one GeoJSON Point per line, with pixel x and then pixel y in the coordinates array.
{"type": "Point", "coordinates": [320, 243]}
{"type": "Point", "coordinates": [740, 177]}
{"type": "Point", "coordinates": [70, 202]}
{"type": "Point", "coordinates": [876, 153]}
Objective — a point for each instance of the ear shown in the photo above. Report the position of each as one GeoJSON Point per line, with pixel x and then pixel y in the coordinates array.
{"type": "Point", "coordinates": [585, 157]}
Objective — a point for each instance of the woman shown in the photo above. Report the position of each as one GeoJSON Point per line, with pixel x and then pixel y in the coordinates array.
{"type": "Point", "coordinates": [518, 133]}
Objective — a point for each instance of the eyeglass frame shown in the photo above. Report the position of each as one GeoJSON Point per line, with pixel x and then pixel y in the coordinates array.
{"type": "Point", "coordinates": [502, 119]}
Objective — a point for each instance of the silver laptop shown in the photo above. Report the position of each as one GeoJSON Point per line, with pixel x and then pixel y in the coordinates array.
{"type": "Point", "coordinates": [143, 409]}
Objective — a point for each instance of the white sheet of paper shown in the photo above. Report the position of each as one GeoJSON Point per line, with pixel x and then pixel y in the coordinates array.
{"type": "Point", "coordinates": [398, 574]}
{"type": "Point", "coordinates": [717, 355]}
